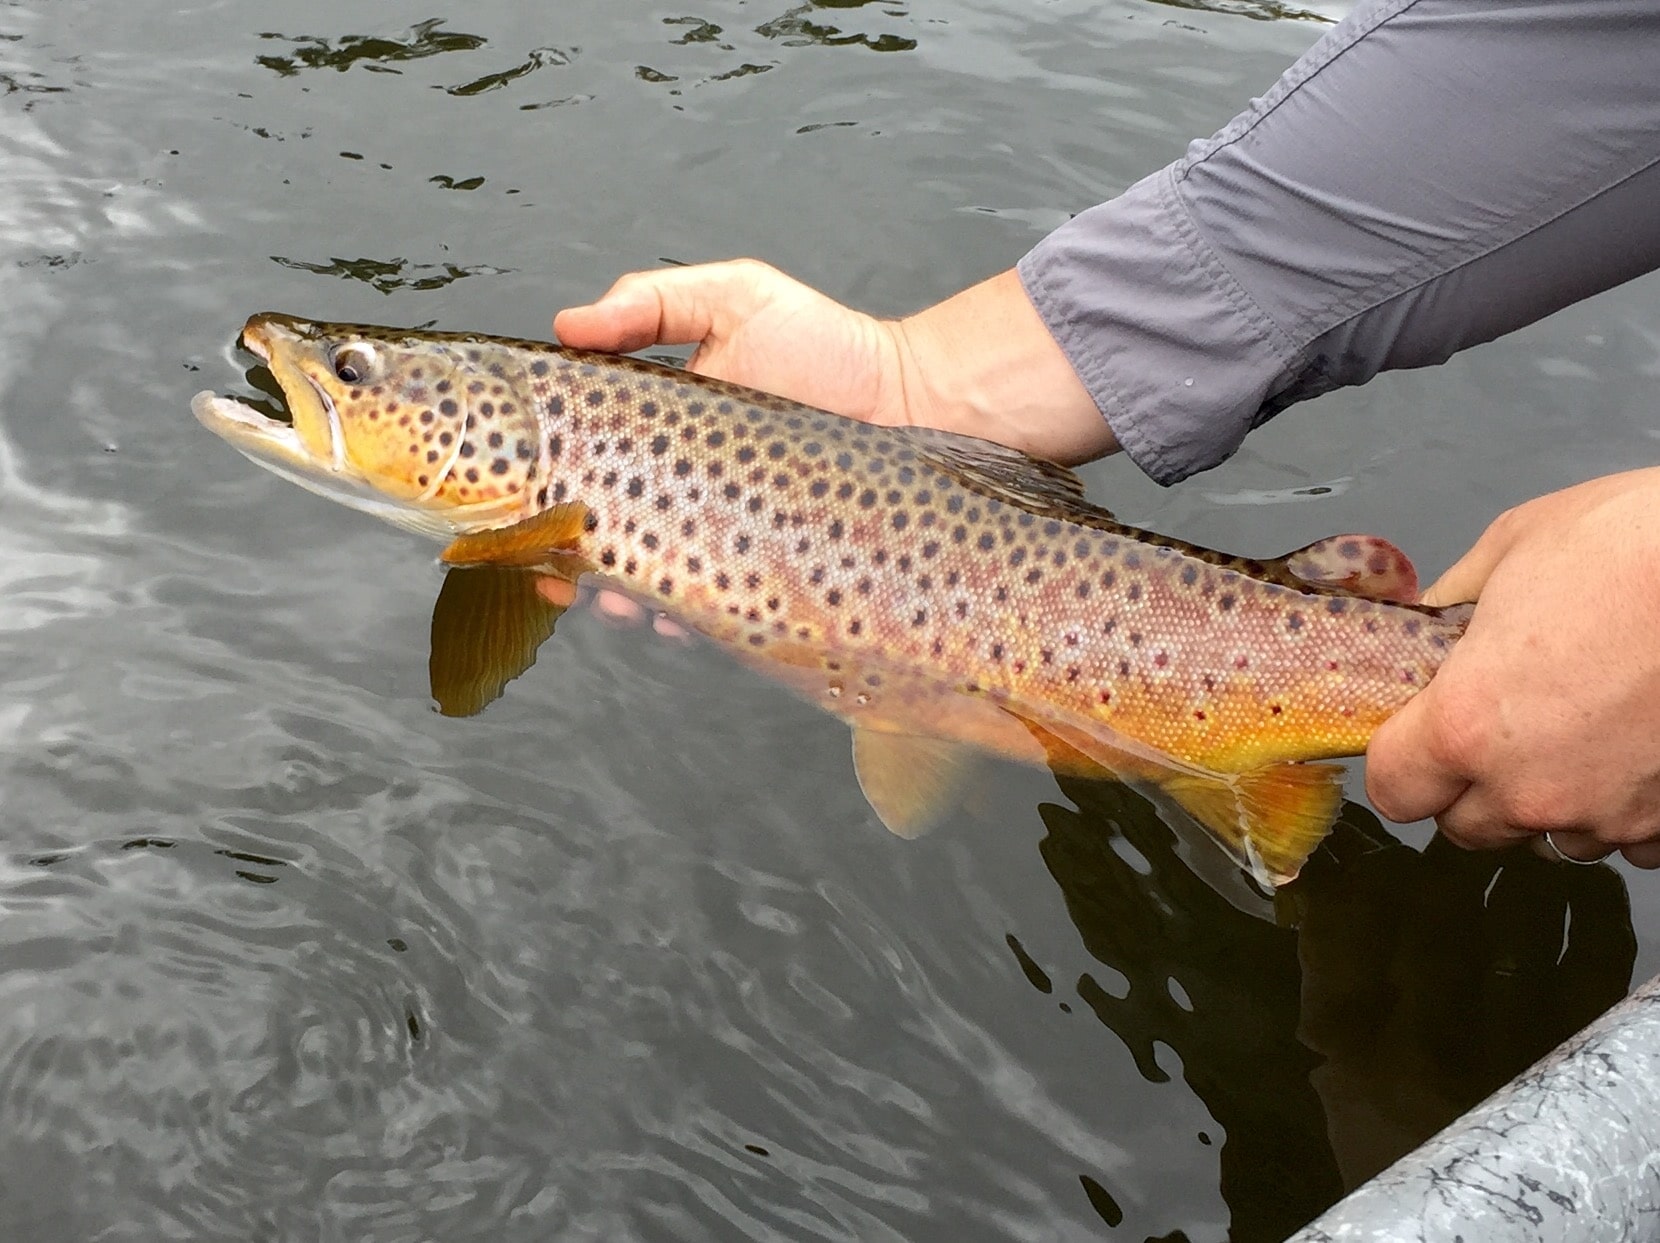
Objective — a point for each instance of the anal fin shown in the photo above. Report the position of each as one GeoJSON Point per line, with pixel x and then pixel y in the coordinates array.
{"type": "Point", "coordinates": [1269, 819]}
{"type": "Point", "coordinates": [909, 780]}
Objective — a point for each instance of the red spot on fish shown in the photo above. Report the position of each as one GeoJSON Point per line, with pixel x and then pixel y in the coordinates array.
{"type": "Point", "coordinates": [1161, 660]}
{"type": "Point", "coordinates": [1198, 714]}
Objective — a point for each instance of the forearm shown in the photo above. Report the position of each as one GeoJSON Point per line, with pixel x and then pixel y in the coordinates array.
{"type": "Point", "coordinates": [1431, 174]}
{"type": "Point", "coordinates": [983, 362]}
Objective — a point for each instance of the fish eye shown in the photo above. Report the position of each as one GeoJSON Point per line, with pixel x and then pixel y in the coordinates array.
{"type": "Point", "coordinates": [353, 363]}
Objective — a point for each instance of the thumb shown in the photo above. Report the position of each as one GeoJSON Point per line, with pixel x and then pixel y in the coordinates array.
{"type": "Point", "coordinates": [667, 306]}
{"type": "Point", "coordinates": [1465, 578]}
{"type": "Point", "coordinates": [1403, 779]}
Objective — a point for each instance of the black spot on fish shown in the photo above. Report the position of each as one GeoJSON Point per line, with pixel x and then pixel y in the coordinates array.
{"type": "Point", "coordinates": [901, 520]}
{"type": "Point", "coordinates": [988, 541]}
{"type": "Point", "coordinates": [499, 467]}
{"type": "Point", "coordinates": [1190, 575]}
{"type": "Point", "coordinates": [539, 368]}
{"type": "Point", "coordinates": [682, 468]}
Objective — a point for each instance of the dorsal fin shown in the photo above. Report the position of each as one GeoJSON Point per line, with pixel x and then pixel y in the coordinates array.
{"type": "Point", "coordinates": [997, 471]}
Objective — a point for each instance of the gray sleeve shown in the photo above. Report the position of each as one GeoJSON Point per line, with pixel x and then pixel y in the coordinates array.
{"type": "Point", "coordinates": [1430, 175]}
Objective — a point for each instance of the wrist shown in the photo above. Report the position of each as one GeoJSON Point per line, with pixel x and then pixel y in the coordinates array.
{"type": "Point", "coordinates": [984, 363]}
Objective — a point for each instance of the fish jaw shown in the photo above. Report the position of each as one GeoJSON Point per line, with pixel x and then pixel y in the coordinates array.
{"type": "Point", "coordinates": [315, 449]}
{"type": "Point", "coordinates": [277, 447]}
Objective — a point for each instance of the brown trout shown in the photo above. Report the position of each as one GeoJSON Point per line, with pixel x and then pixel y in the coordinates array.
{"type": "Point", "coordinates": [939, 593]}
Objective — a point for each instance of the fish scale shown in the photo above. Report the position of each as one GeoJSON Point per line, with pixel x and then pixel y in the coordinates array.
{"type": "Point", "coordinates": [710, 506]}
{"type": "Point", "coordinates": [922, 585]}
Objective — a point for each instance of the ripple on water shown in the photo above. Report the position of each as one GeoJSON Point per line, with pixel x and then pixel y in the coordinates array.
{"type": "Point", "coordinates": [189, 1033]}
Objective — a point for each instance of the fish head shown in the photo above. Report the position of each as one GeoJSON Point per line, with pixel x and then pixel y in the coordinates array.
{"type": "Point", "coordinates": [425, 430]}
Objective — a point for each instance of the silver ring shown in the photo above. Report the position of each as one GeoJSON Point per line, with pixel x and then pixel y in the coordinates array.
{"type": "Point", "coordinates": [1556, 852]}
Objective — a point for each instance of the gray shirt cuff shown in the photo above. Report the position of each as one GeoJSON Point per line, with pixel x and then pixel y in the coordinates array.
{"type": "Point", "coordinates": [1431, 174]}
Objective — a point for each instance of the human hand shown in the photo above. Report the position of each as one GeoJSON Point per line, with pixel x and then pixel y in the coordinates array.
{"type": "Point", "coordinates": [981, 363]}
{"type": "Point", "coordinates": [1546, 716]}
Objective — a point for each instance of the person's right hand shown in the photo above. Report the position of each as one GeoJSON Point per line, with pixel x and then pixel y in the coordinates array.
{"type": "Point", "coordinates": [982, 363]}
{"type": "Point", "coordinates": [752, 325]}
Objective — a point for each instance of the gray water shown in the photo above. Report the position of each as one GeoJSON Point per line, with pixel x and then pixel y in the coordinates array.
{"type": "Point", "coordinates": [284, 954]}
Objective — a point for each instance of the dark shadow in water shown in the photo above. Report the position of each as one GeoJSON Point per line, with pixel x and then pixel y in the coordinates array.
{"type": "Point", "coordinates": [1411, 986]}
{"type": "Point", "coordinates": [375, 53]}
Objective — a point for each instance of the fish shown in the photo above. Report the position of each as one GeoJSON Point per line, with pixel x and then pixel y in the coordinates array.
{"type": "Point", "coordinates": [944, 596]}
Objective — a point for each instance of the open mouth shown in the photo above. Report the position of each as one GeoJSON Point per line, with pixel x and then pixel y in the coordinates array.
{"type": "Point", "coordinates": [272, 429]}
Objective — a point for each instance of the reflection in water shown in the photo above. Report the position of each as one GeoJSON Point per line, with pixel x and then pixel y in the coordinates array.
{"type": "Point", "coordinates": [794, 28]}
{"type": "Point", "coordinates": [375, 53]}
{"type": "Point", "coordinates": [1260, 10]}
{"type": "Point", "coordinates": [1412, 986]}
{"type": "Point", "coordinates": [390, 275]}
{"type": "Point", "coordinates": [539, 58]}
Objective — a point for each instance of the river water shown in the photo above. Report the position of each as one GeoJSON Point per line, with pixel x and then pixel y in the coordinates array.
{"type": "Point", "coordinates": [285, 954]}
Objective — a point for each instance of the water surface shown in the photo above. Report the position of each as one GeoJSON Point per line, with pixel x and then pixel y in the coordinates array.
{"type": "Point", "coordinates": [284, 954]}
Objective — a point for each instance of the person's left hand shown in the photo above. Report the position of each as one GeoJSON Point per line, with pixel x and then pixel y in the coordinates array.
{"type": "Point", "coordinates": [1546, 716]}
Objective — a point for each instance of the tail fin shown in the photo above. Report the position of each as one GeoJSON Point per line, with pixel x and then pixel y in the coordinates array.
{"type": "Point", "coordinates": [1269, 819]}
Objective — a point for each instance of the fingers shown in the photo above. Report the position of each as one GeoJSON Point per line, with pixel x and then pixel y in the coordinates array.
{"type": "Point", "coordinates": [1466, 577]}
{"type": "Point", "coordinates": [1643, 855]}
{"type": "Point", "coordinates": [1403, 779]}
{"type": "Point", "coordinates": [668, 306]}
{"type": "Point", "coordinates": [1563, 847]}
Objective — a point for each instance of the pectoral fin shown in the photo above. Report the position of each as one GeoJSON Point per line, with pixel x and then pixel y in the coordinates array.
{"type": "Point", "coordinates": [909, 781]}
{"type": "Point", "coordinates": [1269, 819]}
{"type": "Point", "coordinates": [524, 543]}
{"type": "Point", "coordinates": [486, 626]}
